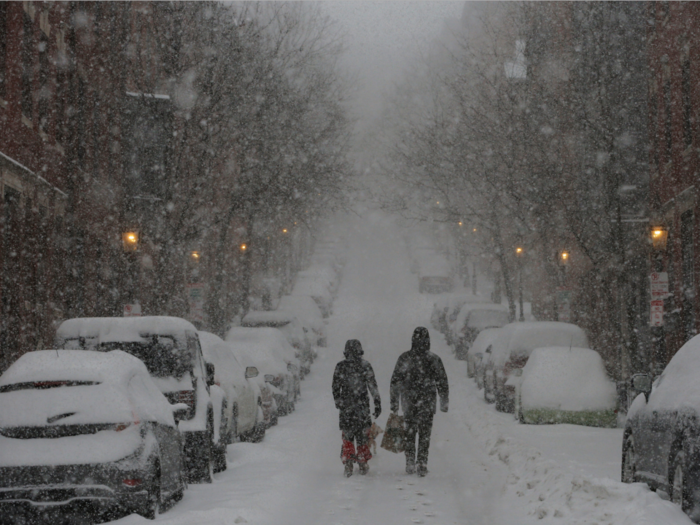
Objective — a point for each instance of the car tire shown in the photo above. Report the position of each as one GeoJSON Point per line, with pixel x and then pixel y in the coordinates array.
{"type": "Point", "coordinates": [680, 495]}
{"type": "Point", "coordinates": [202, 468]}
{"type": "Point", "coordinates": [151, 507]}
{"type": "Point", "coordinates": [220, 463]}
{"type": "Point", "coordinates": [258, 433]}
{"type": "Point", "coordinates": [629, 461]}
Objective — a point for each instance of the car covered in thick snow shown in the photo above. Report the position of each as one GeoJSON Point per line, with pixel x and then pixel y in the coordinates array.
{"type": "Point", "coordinates": [564, 384]}
{"type": "Point", "coordinates": [475, 354]}
{"type": "Point", "coordinates": [170, 349]}
{"type": "Point", "coordinates": [471, 320]}
{"type": "Point", "coordinates": [434, 276]}
{"type": "Point", "coordinates": [318, 291]}
{"type": "Point", "coordinates": [275, 359]}
{"type": "Point", "coordinates": [242, 413]}
{"type": "Point", "coordinates": [86, 430]}
{"type": "Point", "coordinates": [661, 440]}
{"type": "Point", "coordinates": [511, 349]}
{"type": "Point", "coordinates": [298, 335]}
{"type": "Point", "coordinates": [447, 308]}
{"type": "Point", "coordinates": [308, 312]}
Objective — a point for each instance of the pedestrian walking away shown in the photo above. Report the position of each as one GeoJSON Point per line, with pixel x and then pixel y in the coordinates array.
{"type": "Point", "coordinates": [353, 381]}
{"type": "Point", "coordinates": [419, 377]}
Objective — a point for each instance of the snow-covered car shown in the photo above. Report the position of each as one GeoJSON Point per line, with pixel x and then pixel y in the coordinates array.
{"type": "Point", "coordinates": [274, 358]}
{"type": "Point", "coordinates": [511, 350]}
{"type": "Point", "coordinates": [564, 384]}
{"type": "Point", "coordinates": [473, 320]}
{"type": "Point", "coordinates": [294, 330]}
{"type": "Point", "coordinates": [434, 276]}
{"type": "Point", "coordinates": [308, 312]}
{"type": "Point", "coordinates": [242, 413]}
{"type": "Point", "coordinates": [170, 349]}
{"type": "Point", "coordinates": [447, 308]}
{"type": "Point", "coordinates": [317, 291]}
{"type": "Point", "coordinates": [661, 440]}
{"type": "Point", "coordinates": [86, 431]}
{"type": "Point", "coordinates": [476, 352]}
{"type": "Point", "coordinates": [323, 273]}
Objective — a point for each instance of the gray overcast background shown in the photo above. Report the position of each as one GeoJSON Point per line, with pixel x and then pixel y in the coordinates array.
{"type": "Point", "coordinates": [382, 37]}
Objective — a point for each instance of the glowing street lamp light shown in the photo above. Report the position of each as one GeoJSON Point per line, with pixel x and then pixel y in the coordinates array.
{"type": "Point", "coordinates": [284, 230]}
{"type": "Point", "coordinates": [519, 251]}
{"type": "Point", "coordinates": [244, 247]}
{"type": "Point", "coordinates": [564, 257]}
{"type": "Point", "coordinates": [130, 240]}
{"type": "Point", "coordinates": [659, 238]}
{"type": "Point", "coordinates": [195, 256]}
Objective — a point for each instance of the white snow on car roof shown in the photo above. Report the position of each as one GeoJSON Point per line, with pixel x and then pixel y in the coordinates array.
{"type": "Point", "coordinates": [121, 329]}
{"type": "Point", "coordinates": [268, 316]}
{"type": "Point", "coordinates": [521, 338]}
{"type": "Point", "coordinates": [73, 365]}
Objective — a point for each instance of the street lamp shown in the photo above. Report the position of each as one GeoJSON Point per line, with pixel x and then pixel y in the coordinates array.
{"type": "Point", "coordinates": [519, 252]}
{"type": "Point", "coordinates": [659, 238]}
{"type": "Point", "coordinates": [564, 256]}
{"type": "Point", "coordinates": [244, 247]}
{"type": "Point", "coordinates": [284, 230]}
{"type": "Point", "coordinates": [195, 256]}
{"type": "Point", "coordinates": [130, 240]}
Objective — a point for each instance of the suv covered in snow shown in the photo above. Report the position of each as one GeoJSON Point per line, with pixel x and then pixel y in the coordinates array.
{"type": "Point", "coordinates": [170, 349]}
{"type": "Point", "coordinates": [85, 431]}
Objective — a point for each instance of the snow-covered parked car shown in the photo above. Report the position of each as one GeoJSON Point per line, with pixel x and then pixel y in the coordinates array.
{"type": "Point", "coordinates": [308, 312]}
{"type": "Point", "coordinates": [86, 431]}
{"type": "Point", "coordinates": [435, 276]}
{"type": "Point", "coordinates": [475, 354]}
{"type": "Point", "coordinates": [242, 413]}
{"type": "Point", "coordinates": [274, 358]}
{"type": "Point", "coordinates": [472, 320]}
{"type": "Point", "coordinates": [170, 349]}
{"type": "Point", "coordinates": [293, 329]}
{"type": "Point", "coordinates": [447, 308]}
{"type": "Point", "coordinates": [661, 440]}
{"type": "Point", "coordinates": [317, 291]}
{"type": "Point", "coordinates": [323, 273]}
{"type": "Point", "coordinates": [564, 384]}
{"type": "Point", "coordinates": [511, 349]}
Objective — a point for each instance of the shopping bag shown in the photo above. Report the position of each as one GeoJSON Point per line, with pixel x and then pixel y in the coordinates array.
{"type": "Point", "coordinates": [393, 439]}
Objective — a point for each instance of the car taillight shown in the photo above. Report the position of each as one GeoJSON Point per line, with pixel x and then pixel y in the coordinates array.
{"type": "Point", "coordinates": [121, 426]}
{"type": "Point", "coordinates": [187, 397]}
{"type": "Point", "coordinates": [132, 482]}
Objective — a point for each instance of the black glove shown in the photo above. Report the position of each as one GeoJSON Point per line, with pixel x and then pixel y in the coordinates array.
{"type": "Point", "coordinates": [443, 406]}
{"type": "Point", "coordinates": [377, 411]}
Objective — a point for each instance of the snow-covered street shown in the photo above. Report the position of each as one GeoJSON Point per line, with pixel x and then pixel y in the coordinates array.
{"type": "Point", "coordinates": [484, 467]}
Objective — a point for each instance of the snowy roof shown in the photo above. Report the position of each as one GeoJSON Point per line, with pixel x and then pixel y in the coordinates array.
{"type": "Point", "coordinates": [267, 346]}
{"type": "Point", "coordinates": [567, 378]}
{"type": "Point", "coordinates": [121, 329]}
{"type": "Point", "coordinates": [483, 341]}
{"type": "Point", "coordinates": [269, 318]}
{"type": "Point", "coordinates": [312, 288]}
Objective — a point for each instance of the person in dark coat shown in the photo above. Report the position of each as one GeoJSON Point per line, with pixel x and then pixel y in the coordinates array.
{"type": "Point", "coordinates": [419, 376]}
{"type": "Point", "coordinates": [352, 379]}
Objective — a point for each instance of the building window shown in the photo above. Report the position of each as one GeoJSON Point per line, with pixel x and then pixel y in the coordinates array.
{"type": "Point", "coordinates": [667, 119]}
{"type": "Point", "coordinates": [3, 47]}
{"type": "Point", "coordinates": [688, 119]}
{"type": "Point", "coordinates": [27, 66]}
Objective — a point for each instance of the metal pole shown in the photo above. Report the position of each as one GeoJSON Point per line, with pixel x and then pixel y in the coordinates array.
{"type": "Point", "coordinates": [520, 290]}
{"type": "Point", "coordinates": [474, 277]}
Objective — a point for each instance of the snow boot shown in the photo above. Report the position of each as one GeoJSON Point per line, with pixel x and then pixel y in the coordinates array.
{"type": "Point", "coordinates": [349, 465]}
{"type": "Point", "coordinates": [410, 468]}
{"type": "Point", "coordinates": [364, 468]}
{"type": "Point", "coordinates": [422, 470]}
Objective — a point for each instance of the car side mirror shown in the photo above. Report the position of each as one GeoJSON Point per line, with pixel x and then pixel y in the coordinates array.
{"type": "Point", "coordinates": [642, 383]}
{"type": "Point", "coordinates": [211, 370]}
{"type": "Point", "coordinates": [269, 378]}
{"type": "Point", "coordinates": [180, 411]}
{"type": "Point", "coordinates": [251, 372]}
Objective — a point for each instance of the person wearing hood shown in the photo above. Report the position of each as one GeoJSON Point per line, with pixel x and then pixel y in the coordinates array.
{"type": "Point", "coordinates": [352, 379]}
{"type": "Point", "coordinates": [419, 377]}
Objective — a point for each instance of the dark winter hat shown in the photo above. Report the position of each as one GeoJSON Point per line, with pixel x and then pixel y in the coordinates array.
{"type": "Point", "coordinates": [353, 348]}
{"type": "Point", "coordinates": [421, 340]}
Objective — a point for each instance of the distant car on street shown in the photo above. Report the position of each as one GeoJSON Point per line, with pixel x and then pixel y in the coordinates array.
{"type": "Point", "coordinates": [475, 354]}
{"type": "Point", "coordinates": [308, 312]}
{"type": "Point", "coordinates": [471, 320]}
{"type": "Point", "coordinates": [86, 431]}
{"type": "Point", "coordinates": [661, 441]}
{"type": "Point", "coordinates": [170, 349]}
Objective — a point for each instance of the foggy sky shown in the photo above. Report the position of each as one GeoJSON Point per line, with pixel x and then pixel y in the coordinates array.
{"type": "Point", "coordinates": [382, 37]}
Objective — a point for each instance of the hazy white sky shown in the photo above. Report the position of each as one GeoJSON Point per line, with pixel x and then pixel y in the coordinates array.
{"type": "Point", "coordinates": [383, 36]}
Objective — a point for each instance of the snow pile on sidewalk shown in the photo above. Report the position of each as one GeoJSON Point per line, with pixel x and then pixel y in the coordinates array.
{"type": "Point", "coordinates": [546, 490]}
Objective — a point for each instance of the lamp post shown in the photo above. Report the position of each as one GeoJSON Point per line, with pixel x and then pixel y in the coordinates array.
{"type": "Point", "coordinates": [563, 258]}
{"type": "Point", "coordinates": [519, 252]}
{"type": "Point", "coordinates": [130, 245]}
{"type": "Point", "coordinates": [658, 236]}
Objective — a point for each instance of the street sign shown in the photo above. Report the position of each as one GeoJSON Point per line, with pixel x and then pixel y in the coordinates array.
{"type": "Point", "coordinates": [658, 285]}
{"type": "Point", "coordinates": [132, 310]}
{"type": "Point", "coordinates": [195, 294]}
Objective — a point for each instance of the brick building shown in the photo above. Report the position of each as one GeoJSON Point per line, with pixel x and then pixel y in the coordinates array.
{"type": "Point", "coordinates": [674, 98]}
